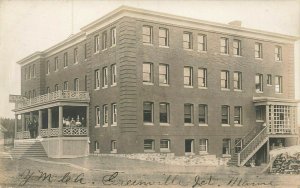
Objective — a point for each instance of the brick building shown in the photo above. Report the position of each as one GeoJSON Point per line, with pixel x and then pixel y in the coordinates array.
{"type": "Point", "coordinates": [137, 81]}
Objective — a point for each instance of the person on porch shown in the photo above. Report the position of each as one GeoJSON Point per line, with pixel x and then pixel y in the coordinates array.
{"type": "Point", "coordinates": [35, 126]}
{"type": "Point", "coordinates": [31, 128]}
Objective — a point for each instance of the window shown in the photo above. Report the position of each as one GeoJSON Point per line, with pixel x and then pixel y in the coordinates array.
{"type": "Point", "coordinates": [259, 113]}
{"type": "Point", "coordinates": [48, 90]}
{"type": "Point", "coordinates": [85, 82]}
{"type": "Point", "coordinates": [113, 74]}
{"type": "Point", "coordinates": [202, 78]}
{"type": "Point", "coordinates": [55, 63]}
{"type": "Point", "coordinates": [237, 80]}
{"type": "Point", "coordinates": [188, 76]}
{"type": "Point", "coordinates": [259, 82]}
{"type": "Point", "coordinates": [188, 113]}
{"type": "Point", "coordinates": [202, 43]}
{"type": "Point", "coordinates": [203, 145]}
{"type": "Point", "coordinates": [47, 68]}
{"type": "Point", "coordinates": [105, 115]}
{"type": "Point", "coordinates": [148, 112]}
{"type": "Point", "coordinates": [147, 34]}
{"type": "Point", "coordinates": [258, 50]}
{"type": "Point", "coordinates": [163, 37]}
{"type": "Point", "coordinates": [225, 115]}
{"type": "Point", "coordinates": [187, 40]}
{"type": "Point", "coordinates": [33, 71]}
{"type": "Point", "coordinates": [224, 45]}
{"type": "Point", "coordinates": [85, 51]}
{"type": "Point", "coordinates": [203, 114]}
{"type": "Point", "coordinates": [65, 59]}
{"type": "Point", "coordinates": [113, 146]}
{"type": "Point", "coordinates": [113, 35]}
{"type": "Point", "coordinates": [149, 145]}
{"type": "Point", "coordinates": [147, 73]}
{"type": "Point", "coordinates": [56, 87]}
{"type": "Point", "coordinates": [97, 115]}
{"type": "Point", "coordinates": [238, 145]}
{"type": "Point", "coordinates": [269, 79]}
{"type": "Point", "coordinates": [66, 85]}
{"type": "Point", "coordinates": [104, 77]}
{"type": "Point", "coordinates": [238, 115]}
{"type": "Point", "coordinates": [75, 55]}
{"type": "Point", "coordinates": [29, 72]}
{"type": "Point", "coordinates": [224, 79]}
{"type": "Point", "coordinates": [163, 112]}
{"type": "Point", "coordinates": [164, 145]}
{"type": "Point", "coordinates": [97, 79]}
{"type": "Point", "coordinates": [97, 149]}
{"type": "Point", "coordinates": [237, 50]}
{"type": "Point", "coordinates": [226, 146]}
{"type": "Point", "coordinates": [76, 84]}
{"type": "Point", "coordinates": [104, 40]}
{"type": "Point", "coordinates": [96, 44]}
{"type": "Point", "coordinates": [114, 113]}
{"type": "Point", "coordinates": [163, 74]}
{"type": "Point", "coordinates": [278, 84]}
{"type": "Point", "coordinates": [278, 53]}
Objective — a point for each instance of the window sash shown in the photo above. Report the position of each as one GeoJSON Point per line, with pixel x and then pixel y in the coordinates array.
{"type": "Point", "coordinates": [278, 84]}
{"type": "Point", "coordinates": [114, 113]}
{"type": "Point", "coordinates": [104, 40]}
{"type": "Point", "coordinates": [105, 114]}
{"type": "Point", "coordinates": [269, 79]}
{"type": "Point", "coordinates": [97, 79]}
{"type": "Point", "coordinates": [76, 84]}
{"type": "Point", "coordinates": [202, 114]}
{"type": "Point", "coordinates": [237, 80]}
{"type": "Point", "coordinates": [149, 145]}
{"type": "Point", "coordinates": [113, 34]}
{"type": "Point", "coordinates": [258, 50]}
{"type": "Point", "coordinates": [164, 113]}
{"type": "Point", "coordinates": [203, 145]}
{"type": "Point", "coordinates": [225, 79]}
{"type": "Point", "coordinates": [113, 74]}
{"type": "Point", "coordinates": [163, 74]}
{"type": "Point", "coordinates": [187, 40]}
{"type": "Point", "coordinates": [259, 82]}
{"type": "Point", "coordinates": [225, 114]}
{"type": "Point", "coordinates": [66, 85]}
{"type": "Point", "coordinates": [188, 113]}
{"type": "Point", "coordinates": [148, 112]}
{"type": "Point", "coordinates": [65, 59]}
{"type": "Point", "coordinates": [163, 37]}
{"type": "Point", "coordinates": [164, 144]}
{"type": "Point", "coordinates": [237, 115]}
{"type": "Point", "coordinates": [237, 47]}
{"type": "Point", "coordinates": [224, 45]}
{"type": "Point", "coordinates": [202, 77]}
{"type": "Point", "coordinates": [201, 42]}
{"type": "Point", "coordinates": [147, 34]}
{"type": "Point", "coordinates": [147, 72]}
{"type": "Point", "coordinates": [105, 77]}
{"type": "Point", "coordinates": [226, 146]}
{"type": "Point", "coordinates": [97, 112]}
{"type": "Point", "coordinates": [188, 79]}
{"type": "Point", "coordinates": [278, 53]}
{"type": "Point", "coordinates": [96, 43]}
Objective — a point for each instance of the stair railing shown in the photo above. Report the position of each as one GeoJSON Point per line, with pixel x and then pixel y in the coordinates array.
{"type": "Point", "coordinates": [251, 146]}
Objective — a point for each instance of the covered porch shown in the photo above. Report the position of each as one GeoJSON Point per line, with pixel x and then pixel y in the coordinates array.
{"type": "Point", "coordinates": [58, 119]}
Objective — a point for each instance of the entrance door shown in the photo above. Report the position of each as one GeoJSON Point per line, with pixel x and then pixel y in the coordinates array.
{"type": "Point", "coordinates": [189, 146]}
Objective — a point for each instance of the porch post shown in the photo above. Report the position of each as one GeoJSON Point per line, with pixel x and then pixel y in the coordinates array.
{"type": "Point", "coordinates": [87, 121]}
{"type": "Point", "coordinates": [16, 125]}
{"type": "Point", "coordinates": [23, 124]}
{"type": "Point", "coordinates": [268, 151]}
{"type": "Point", "coordinates": [49, 121]}
{"type": "Point", "coordinates": [40, 122]}
{"type": "Point", "coordinates": [60, 120]}
{"type": "Point", "coordinates": [268, 122]}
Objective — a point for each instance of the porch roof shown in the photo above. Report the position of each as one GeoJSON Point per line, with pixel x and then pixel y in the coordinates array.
{"type": "Point", "coordinates": [258, 101]}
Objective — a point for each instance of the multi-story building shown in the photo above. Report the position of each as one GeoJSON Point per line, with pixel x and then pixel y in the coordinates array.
{"type": "Point", "coordinates": [137, 81]}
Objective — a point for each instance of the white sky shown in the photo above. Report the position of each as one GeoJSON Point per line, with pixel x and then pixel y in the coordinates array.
{"type": "Point", "coordinates": [35, 25]}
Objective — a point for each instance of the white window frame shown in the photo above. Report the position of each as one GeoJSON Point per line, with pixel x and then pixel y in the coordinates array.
{"type": "Point", "coordinates": [227, 115]}
{"type": "Point", "coordinates": [278, 84]}
{"type": "Point", "coordinates": [149, 74]}
{"type": "Point", "coordinates": [33, 71]}
{"type": "Point", "coordinates": [259, 83]}
{"type": "Point", "coordinates": [278, 53]}
{"type": "Point", "coordinates": [191, 114]}
{"type": "Point", "coordinates": [75, 55]}
{"type": "Point", "coordinates": [113, 37]}
{"type": "Point", "coordinates": [165, 149]}
{"type": "Point", "coordinates": [237, 47]}
{"type": "Point", "coordinates": [167, 106]}
{"type": "Point", "coordinates": [97, 79]}
{"type": "Point", "coordinates": [56, 87]}
{"type": "Point", "coordinates": [56, 64]}
{"type": "Point", "coordinates": [113, 75]}
{"type": "Point", "coordinates": [96, 44]}
{"type": "Point", "coordinates": [202, 43]}
{"type": "Point", "coordinates": [113, 146]}
{"type": "Point", "coordinates": [224, 45]}
{"type": "Point", "coordinates": [114, 114]}
{"type": "Point", "coordinates": [65, 59]}
{"type": "Point", "coordinates": [205, 114]}
{"type": "Point", "coordinates": [146, 35]}
{"type": "Point", "coordinates": [66, 85]}
{"type": "Point", "coordinates": [202, 80]}
{"type": "Point", "coordinates": [237, 81]}
{"type": "Point", "coordinates": [163, 75]}
{"type": "Point", "coordinates": [76, 84]}
{"type": "Point", "coordinates": [258, 48]}
{"type": "Point", "coordinates": [239, 115]}
{"type": "Point", "coordinates": [104, 77]}
{"type": "Point", "coordinates": [188, 76]}
{"type": "Point", "coordinates": [104, 40]}
{"type": "Point", "coordinates": [47, 69]}
{"type": "Point", "coordinates": [228, 151]}
{"type": "Point", "coordinates": [98, 116]}
{"type": "Point", "coordinates": [97, 147]}
{"type": "Point", "coordinates": [203, 145]}
{"type": "Point", "coordinates": [152, 145]}
{"type": "Point", "coordinates": [187, 40]}
{"type": "Point", "coordinates": [163, 37]}
{"type": "Point", "coordinates": [105, 115]}
{"type": "Point", "coordinates": [269, 80]}
{"type": "Point", "coordinates": [152, 107]}
{"type": "Point", "coordinates": [226, 85]}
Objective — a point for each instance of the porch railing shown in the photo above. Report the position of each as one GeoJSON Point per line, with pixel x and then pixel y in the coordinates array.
{"type": "Point", "coordinates": [74, 131]}
{"type": "Point", "coordinates": [54, 96]}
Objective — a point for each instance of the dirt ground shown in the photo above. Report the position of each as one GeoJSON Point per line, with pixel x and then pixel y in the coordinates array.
{"type": "Point", "coordinates": [106, 171]}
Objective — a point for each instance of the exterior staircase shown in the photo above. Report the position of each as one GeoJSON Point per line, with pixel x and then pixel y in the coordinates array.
{"type": "Point", "coordinates": [251, 143]}
{"type": "Point", "coordinates": [29, 148]}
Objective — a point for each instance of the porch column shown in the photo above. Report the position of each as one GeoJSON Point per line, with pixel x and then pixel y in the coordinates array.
{"type": "Point", "coordinates": [49, 121]}
{"type": "Point", "coordinates": [40, 122]}
{"type": "Point", "coordinates": [60, 120]}
{"type": "Point", "coordinates": [87, 121]}
{"type": "Point", "coordinates": [16, 125]}
{"type": "Point", "coordinates": [268, 122]}
{"type": "Point", "coordinates": [23, 124]}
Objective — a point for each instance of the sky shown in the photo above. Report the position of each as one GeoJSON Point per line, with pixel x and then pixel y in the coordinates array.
{"type": "Point", "coordinates": [35, 25]}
